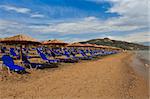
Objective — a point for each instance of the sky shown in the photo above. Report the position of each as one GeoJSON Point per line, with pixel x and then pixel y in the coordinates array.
{"type": "Point", "coordinates": [76, 20]}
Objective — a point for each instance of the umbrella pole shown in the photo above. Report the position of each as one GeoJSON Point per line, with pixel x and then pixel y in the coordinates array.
{"type": "Point", "coordinates": [21, 52]}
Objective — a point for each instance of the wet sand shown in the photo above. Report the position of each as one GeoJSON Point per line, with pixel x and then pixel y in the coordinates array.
{"type": "Point", "coordinates": [108, 78]}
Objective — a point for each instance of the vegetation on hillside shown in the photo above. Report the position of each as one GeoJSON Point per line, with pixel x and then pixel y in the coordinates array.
{"type": "Point", "coordinates": [116, 43]}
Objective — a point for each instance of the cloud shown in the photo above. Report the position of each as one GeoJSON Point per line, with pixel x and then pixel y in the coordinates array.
{"type": "Point", "coordinates": [37, 15]}
{"type": "Point", "coordinates": [86, 25]}
{"type": "Point", "coordinates": [21, 10]}
{"type": "Point", "coordinates": [16, 9]}
{"type": "Point", "coordinates": [132, 11]}
{"type": "Point", "coordinates": [134, 37]}
{"type": "Point", "coordinates": [10, 28]}
{"type": "Point", "coordinates": [132, 18]}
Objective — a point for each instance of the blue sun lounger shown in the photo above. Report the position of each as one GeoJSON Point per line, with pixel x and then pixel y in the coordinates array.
{"type": "Point", "coordinates": [9, 63]}
{"type": "Point", "coordinates": [84, 55]}
{"type": "Point", "coordinates": [43, 56]}
{"type": "Point", "coordinates": [68, 59]}
{"type": "Point", "coordinates": [68, 55]}
{"type": "Point", "coordinates": [13, 53]}
{"type": "Point", "coordinates": [30, 65]}
{"type": "Point", "coordinates": [92, 53]}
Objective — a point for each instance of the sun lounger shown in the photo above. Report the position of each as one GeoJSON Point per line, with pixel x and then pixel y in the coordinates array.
{"type": "Point", "coordinates": [13, 53]}
{"type": "Point", "coordinates": [43, 56]}
{"type": "Point", "coordinates": [3, 50]}
{"type": "Point", "coordinates": [68, 59]}
{"type": "Point", "coordinates": [68, 55]}
{"type": "Point", "coordinates": [84, 55]}
{"type": "Point", "coordinates": [9, 63]}
{"type": "Point", "coordinates": [35, 65]}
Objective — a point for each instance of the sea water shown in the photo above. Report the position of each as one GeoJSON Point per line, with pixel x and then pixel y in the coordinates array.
{"type": "Point", "coordinates": [144, 55]}
{"type": "Point", "coordinates": [141, 63]}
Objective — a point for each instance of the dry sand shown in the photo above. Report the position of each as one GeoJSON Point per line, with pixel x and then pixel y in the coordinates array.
{"type": "Point", "coordinates": [107, 78]}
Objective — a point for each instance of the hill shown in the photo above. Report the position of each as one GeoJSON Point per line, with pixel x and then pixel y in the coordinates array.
{"type": "Point", "coordinates": [115, 43]}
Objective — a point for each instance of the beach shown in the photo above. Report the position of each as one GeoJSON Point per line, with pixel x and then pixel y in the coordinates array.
{"type": "Point", "coordinates": [110, 77]}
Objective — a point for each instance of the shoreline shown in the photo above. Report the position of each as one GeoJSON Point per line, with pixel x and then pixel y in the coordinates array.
{"type": "Point", "coordinates": [140, 65]}
{"type": "Point", "coordinates": [108, 77]}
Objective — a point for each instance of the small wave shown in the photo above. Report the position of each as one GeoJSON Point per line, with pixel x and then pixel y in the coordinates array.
{"type": "Point", "coordinates": [140, 63]}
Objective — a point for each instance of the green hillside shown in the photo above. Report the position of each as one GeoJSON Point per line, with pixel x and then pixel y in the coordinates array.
{"type": "Point", "coordinates": [116, 43]}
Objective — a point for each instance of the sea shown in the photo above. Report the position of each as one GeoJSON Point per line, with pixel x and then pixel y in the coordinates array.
{"type": "Point", "coordinates": [141, 63]}
{"type": "Point", "coordinates": [144, 55]}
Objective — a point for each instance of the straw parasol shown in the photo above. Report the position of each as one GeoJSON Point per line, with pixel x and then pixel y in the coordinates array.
{"type": "Point", "coordinates": [75, 45]}
{"type": "Point", "coordinates": [115, 48]}
{"type": "Point", "coordinates": [95, 45]}
{"type": "Point", "coordinates": [54, 42]}
{"type": "Point", "coordinates": [88, 45]}
{"type": "Point", "coordinates": [20, 40]}
{"type": "Point", "coordinates": [100, 46]}
{"type": "Point", "coordinates": [107, 47]}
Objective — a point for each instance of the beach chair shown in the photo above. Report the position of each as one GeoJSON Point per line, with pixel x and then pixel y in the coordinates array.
{"type": "Point", "coordinates": [103, 53]}
{"type": "Point", "coordinates": [13, 53]}
{"type": "Point", "coordinates": [68, 59]}
{"type": "Point", "coordinates": [68, 55]}
{"type": "Point", "coordinates": [43, 56]}
{"type": "Point", "coordinates": [92, 53]}
{"type": "Point", "coordinates": [3, 50]}
{"type": "Point", "coordinates": [56, 52]}
{"type": "Point", "coordinates": [84, 55]}
{"type": "Point", "coordinates": [96, 53]}
{"type": "Point", "coordinates": [74, 52]}
{"type": "Point", "coordinates": [9, 63]}
{"type": "Point", "coordinates": [76, 57]}
{"type": "Point", "coordinates": [28, 64]}
{"type": "Point", "coordinates": [53, 54]}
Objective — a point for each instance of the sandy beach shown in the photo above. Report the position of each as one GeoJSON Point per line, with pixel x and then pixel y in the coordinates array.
{"type": "Point", "coordinates": [110, 77]}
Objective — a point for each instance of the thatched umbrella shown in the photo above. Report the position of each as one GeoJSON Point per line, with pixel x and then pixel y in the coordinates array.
{"type": "Point", "coordinates": [100, 46]}
{"type": "Point", "coordinates": [88, 45]}
{"type": "Point", "coordinates": [20, 40]}
{"type": "Point", "coordinates": [75, 45]}
{"type": "Point", "coordinates": [107, 47]}
{"type": "Point", "coordinates": [114, 48]}
{"type": "Point", "coordinates": [55, 43]}
{"type": "Point", "coordinates": [95, 46]}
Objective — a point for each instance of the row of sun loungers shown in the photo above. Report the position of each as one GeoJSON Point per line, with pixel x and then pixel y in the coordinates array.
{"type": "Point", "coordinates": [71, 56]}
